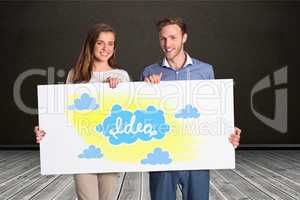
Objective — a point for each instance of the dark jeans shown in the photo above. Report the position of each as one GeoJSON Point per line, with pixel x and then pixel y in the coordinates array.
{"type": "Point", "coordinates": [195, 185]}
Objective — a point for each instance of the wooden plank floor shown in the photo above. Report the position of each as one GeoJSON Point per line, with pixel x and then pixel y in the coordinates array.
{"type": "Point", "coordinates": [258, 175]}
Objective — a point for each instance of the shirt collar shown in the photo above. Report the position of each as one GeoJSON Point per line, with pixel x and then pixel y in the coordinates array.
{"type": "Point", "coordinates": [188, 61]}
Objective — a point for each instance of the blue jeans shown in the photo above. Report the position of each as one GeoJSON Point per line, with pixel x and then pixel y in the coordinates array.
{"type": "Point", "coordinates": [195, 185]}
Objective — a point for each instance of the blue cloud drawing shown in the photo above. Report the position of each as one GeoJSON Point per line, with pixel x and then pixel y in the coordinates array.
{"type": "Point", "coordinates": [85, 102]}
{"type": "Point", "coordinates": [91, 152]}
{"type": "Point", "coordinates": [127, 127]}
{"type": "Point", "coordinates": [158, 156]}
{"type": "Point", "coordinates": [188, 112]}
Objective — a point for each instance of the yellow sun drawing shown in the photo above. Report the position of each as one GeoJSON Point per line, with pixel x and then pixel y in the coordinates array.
{"type": "Point", "coordinates": [178, 141]}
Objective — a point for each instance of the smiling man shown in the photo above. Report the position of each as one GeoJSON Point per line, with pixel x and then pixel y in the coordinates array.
{"type": "Point", "coordinates": [178, 65]}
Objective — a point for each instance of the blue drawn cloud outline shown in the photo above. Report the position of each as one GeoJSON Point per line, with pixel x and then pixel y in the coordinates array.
{"type": "Point", "coordinates": [158, 156]}
{"type": "Point", "coordinates": [84, 102]}
{"type": "Point", "coordinates": [187, 112]}
{"type": "Point", "coordinates": [91, 152]}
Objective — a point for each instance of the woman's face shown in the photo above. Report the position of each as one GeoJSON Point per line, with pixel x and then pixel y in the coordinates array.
{"type": "Point", "coordinates": [104, 47]}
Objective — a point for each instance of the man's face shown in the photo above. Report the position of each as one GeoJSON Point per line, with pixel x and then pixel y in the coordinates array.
{"type": "Point", "coordinates": [172, 40]}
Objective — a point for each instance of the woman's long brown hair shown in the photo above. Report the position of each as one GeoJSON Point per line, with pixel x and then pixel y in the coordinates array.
{"type": "Point", "coordinates": [83, 67]}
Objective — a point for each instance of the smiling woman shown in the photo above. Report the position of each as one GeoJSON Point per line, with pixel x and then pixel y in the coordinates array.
{"type": "Point", "coordinates": [97, 53]}
{"type": "Point", "coordinates": [96, 63]}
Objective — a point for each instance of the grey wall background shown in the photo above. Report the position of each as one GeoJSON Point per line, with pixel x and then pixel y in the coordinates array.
{"type": "Point", "coordinates": [242, 40]}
